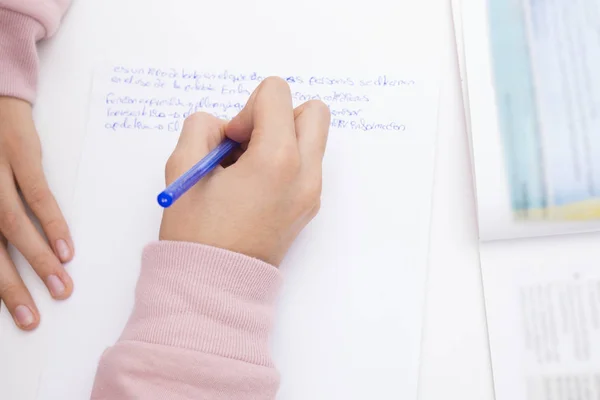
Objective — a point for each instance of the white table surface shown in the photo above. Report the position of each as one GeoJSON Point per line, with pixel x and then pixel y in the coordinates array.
{"type": "Point", "coordinates": [455, 354]}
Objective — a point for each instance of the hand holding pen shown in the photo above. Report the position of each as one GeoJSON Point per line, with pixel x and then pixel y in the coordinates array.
{"type": "Point", "coordinates": [260, 202]}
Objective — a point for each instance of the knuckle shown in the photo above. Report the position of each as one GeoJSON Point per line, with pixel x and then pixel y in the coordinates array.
{"type": "Point", "coordinates": [43, 264]}
{"type": "Point", "coordinates": [12, 144]}
{"type": "Point", "coordinates": [284, 163]}
{"type": "Point", "coordinates": [38, 195]}
{"type": "Point", "coordinates": [172, 165]}
{"type": "Point", "coordinates": [9, 221]}
{"type": "Point", "coordinates": [18, 146]}
{"type": "Point", "coordinates": [10, 289]}
{"type": "Point", "coordinates": [319, 107]}
{"type": "Point", "coordinates": [315, 210]}
{"type": "Point", "coordinates": [310, 195]}
{"type": "Point", "coordinates": [53, 225]}
{"type": "Point", "coordinates": [197, 119]}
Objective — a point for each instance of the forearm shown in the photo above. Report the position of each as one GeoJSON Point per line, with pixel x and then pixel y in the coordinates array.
{"type": "Point", "coordinates": [199, 329]}
{"type": "Point", "coordinates": [22, 24]}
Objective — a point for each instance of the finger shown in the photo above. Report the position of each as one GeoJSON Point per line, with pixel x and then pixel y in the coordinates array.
{"type": "Point", "coordinates": [267, 120]}
{"type": "Point", "coordinates": [14, 293]}
{"type": "Point", "coordinates": [312, 121]}
{"type": "Point", "coordinates": [234, 156]}
{"type": "Point", "coordinates": [19, 230]}
{"type": "Point", "coordinates": [37, 194]}
{"type": "Point", "coordinates": [201, 133]}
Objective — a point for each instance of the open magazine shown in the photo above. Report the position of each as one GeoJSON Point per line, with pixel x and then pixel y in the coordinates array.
{"type": "Point", "coordinates": [531, 89]}
{"type": "Point", "coordinates": [546, 72]}
{"type": "Point", "coordinates": [533, 72]}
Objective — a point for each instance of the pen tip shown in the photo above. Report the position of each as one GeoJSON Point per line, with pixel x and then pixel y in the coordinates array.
{"type": "Point", "coordinates": [165, 200]}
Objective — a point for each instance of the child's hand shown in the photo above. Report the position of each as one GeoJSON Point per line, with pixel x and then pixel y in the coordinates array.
{"type": "Point", "coordinates": [21, 166]}
{"type": "Point", "coordinates": [258, 205]}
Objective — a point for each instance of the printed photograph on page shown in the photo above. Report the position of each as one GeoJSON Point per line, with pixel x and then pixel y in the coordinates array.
{"type": "Point", "coordinates": [546, 68]}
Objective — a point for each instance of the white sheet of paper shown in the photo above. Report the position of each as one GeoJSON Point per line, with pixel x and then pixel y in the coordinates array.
{"type": "Point", "coordinates": [495, 217]}
{"type": "Point", "coordinates": [543, 308]}
{"type": "Point", "coordinates": [281, 35]}
{"type": "Point", "coordinates": [368, 245]}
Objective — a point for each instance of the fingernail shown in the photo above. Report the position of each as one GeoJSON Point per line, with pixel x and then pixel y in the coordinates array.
{"type": "Point", "coordinates": [24, 316]}
{"type": "Point", "coordinates": [56, 286]}
{"type": "Point", "coordinates": [63, 250]}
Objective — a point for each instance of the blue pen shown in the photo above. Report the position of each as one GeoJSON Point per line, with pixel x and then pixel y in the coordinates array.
{"type": "Point", "coordinates": [182, 184]}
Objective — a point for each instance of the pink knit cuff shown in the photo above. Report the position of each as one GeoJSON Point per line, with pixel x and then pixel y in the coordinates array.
{"type": "Point", "coordinates": [46, 12]}
{"type": "Point", "coordinates": [205, 299]}
{"type": "Point", "coordinates": [18, 54]}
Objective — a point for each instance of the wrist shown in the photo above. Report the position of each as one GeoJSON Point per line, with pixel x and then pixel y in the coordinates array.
{"type": "Point", "coordinates": [16, 115]}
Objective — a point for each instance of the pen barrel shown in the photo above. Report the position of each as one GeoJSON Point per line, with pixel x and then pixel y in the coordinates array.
{"type": "Point", "coordinates": [186, 181]}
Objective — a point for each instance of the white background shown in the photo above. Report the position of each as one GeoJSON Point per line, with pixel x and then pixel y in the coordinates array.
{"type": "Point", "coordinates": [455, 361]}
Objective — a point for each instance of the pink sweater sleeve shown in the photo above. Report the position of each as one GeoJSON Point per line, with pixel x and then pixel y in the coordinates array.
{"type": "Point", "coordinates": [199, 330]}
{"type": "Point", "coordinates": [22, 24]}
